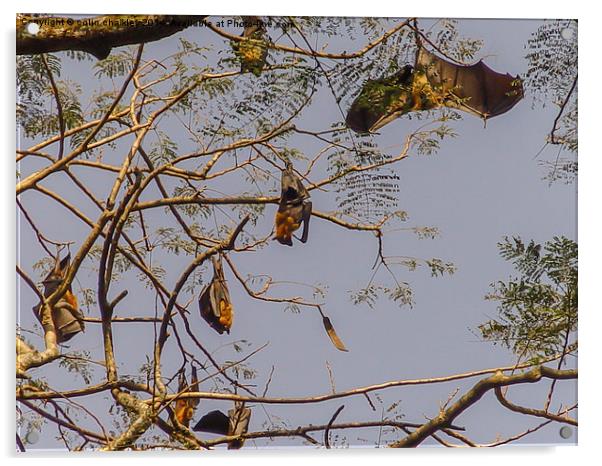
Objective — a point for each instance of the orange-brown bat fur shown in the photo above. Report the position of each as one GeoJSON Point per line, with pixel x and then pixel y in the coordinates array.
{"type": "Point", "coordinates": [225, 314]}
{"type": "Point", "coordinates": [285, 226]}
{"type": "Point", "coordinates": [71, 299]}
{"type": "Point", "coordinates": [184, 412]}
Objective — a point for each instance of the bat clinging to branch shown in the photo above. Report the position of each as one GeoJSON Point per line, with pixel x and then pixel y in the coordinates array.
{"type": "Point", "coordinates": [253, 51]}
{"type": "Point", "coordinates": [66, 316]}
{"type": "Point", "coordinates": [235, 423]}
{"type": "Point", "coordinates": [214, 303]}
{"type": "Point", "coordinates": [185, 406]}
{"type": "Point", "coordinates": [294, 208]}
{"type": "Point", "coordinates": [432, 83]}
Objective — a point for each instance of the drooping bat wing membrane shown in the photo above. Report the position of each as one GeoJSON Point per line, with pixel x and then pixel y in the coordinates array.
{"type": "Point", "coordinates": [215, 303]}
{"type": "Point", "coordinates": [239, 424]}
{"type": "Point", "coordinates": [66, 315]}
{"type": "Point", "coordinates": [433, 82]}
{"type": "Point", "coordinates": [214, 422]}
{"type": "Point", "coordinates": [253, 51]}
{"type": "Point", "coordinates": [380, 101]}
{"type": "Point", "coordinates": [235, 423]}
{"type": "Point", "coordinates": [294, 208]}
{"type": "Point", "coordinates": [476, 89]}
{"type": "Point", "coordinates": [194, 385]}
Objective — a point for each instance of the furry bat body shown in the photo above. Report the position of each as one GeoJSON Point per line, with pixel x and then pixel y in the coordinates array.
{"type": "Point", "coordinates": [214, 303]}
{"type": "Point", "coordinates": [294, 208]}
{"type": "Point", "coordinates": [66, 315]}
{"type": "Point", "coordinates": [185, 407]}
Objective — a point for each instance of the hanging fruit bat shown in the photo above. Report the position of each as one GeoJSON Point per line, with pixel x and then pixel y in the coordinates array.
{"type": "Point", "coordinates": [214, 303]}
{"type": "Point", "coordinates": [432, 83]}
{"type": "Point", "coordinates": [66, 316]}
{"type": "Point", "coordinates": [235, 423]}
{"type": "Point", "coordinates": [294, 208]}
{"type": "Point", "coordinates": [185, 406]}
{"type": "Point", "coordinates": [253, 51]}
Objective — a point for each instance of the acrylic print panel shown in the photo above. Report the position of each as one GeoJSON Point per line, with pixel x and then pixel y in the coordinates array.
{"type": "Point", "coordinates": [259, 232]}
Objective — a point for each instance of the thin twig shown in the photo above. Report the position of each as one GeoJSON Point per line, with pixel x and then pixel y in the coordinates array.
{"type": "Point", "coordinates": [329, 426]}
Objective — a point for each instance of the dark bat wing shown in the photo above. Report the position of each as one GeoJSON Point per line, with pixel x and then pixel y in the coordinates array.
{"type": "Point", "coordinates": [306, 216]}
{"type": "Point", "coordinates": [214, 422]}
{"type": "Point", "coordinates": [67, 318]}
{"type": "Point", "coordinates": [379, 102]}
{"type": "Point", "coordinates": [294, 204]}
{"type": "Point", "coordinates": [211, 297]}
{"type": "Point", "coordinates": [239, 424]}
{"type": "Point", "coordinates": [220, 294]}
{"type": "Point", "coordinates": [194, 387]}
{"type": "Point", "coordinates": [205, 305]}
{"type": "Point", "coordinates": [291, 187]}
{"type": "Point", "coordinates": [209, 308]}
{"type": "Point", "coordinates": [194, 381]}
{"type": "Point", "coordinates": [68, 321]}
{"type": "Point", "coordinates": [56, 275]}
{"type": "Point", "coordinates": [182, 382]}
{"type": "Point", "coordinates": [476, 89]}
{"type": "Point", "coordinates": [433, 82]}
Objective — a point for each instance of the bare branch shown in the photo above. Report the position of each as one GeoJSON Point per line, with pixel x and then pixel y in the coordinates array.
{"type": "Point", "coordinates": [329, 426]}
{"type": "Point", "coordinates": [530, 411]}
{"type": "Point", "coordinates": [472, 396]}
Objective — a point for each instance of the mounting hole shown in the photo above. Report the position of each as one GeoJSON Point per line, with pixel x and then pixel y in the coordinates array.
{"type": "Point", "coordinates": [566, 432]}
{"type": "Point", "coordinates": [567, 33]}
{"type": "Point", "coordinates": [33, 28]}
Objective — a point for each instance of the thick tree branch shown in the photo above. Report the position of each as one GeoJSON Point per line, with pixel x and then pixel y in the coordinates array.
{"type": "Point", "coordinates": [97, 35]}
{"type": "Point", "coordinates": [447, 416]}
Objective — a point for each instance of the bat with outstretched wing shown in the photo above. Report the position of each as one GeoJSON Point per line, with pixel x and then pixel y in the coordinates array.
{"type": "Point", "coordinates": [432, 83]}
{"type": "Point", "coordinates": [214, 303]}
{"type": "Point", "coordinates": [294, 208]}
{"type": "Point", "coordinates": [66, 315]}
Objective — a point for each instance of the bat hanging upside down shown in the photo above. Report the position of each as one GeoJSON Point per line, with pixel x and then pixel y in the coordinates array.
{"type": "Point", "coordinates": [294, 208]}
{"type": "Point", "coordinates": [185, 407]}
{"type": "Point", "coordinates": [66, 315]}
{"type": "Point", "coordinates": [214, 303]}
{"type": "Point", "coordinates": [235, 423]}
{"type": "Point", "coordinates": [432, 83]}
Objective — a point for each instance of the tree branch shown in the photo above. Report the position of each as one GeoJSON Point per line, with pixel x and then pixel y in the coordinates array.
{"type": "Point", "coordinates": [97, 35]}
{"type": "Point", "coordinates": [530, 411]}
{"type": "Point", "coordinates": [472, 396]}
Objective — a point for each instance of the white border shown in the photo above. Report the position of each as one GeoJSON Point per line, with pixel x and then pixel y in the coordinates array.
{"type": "Point", "coordinates": [589, 213]}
